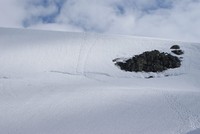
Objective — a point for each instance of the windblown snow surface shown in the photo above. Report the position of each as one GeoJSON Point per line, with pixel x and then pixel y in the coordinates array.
{"type": "Point", "coordinates": [67, 83]}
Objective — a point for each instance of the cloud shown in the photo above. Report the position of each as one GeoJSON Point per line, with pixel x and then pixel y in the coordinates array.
{"type": "Point", "coordinates": [173, 19]}
{"type": "Point", "coordinates": [11, 13]}
{"type": "Point", "coordinates": [41, 11]}
{"type": "Point", "coordinates": [180, 22]}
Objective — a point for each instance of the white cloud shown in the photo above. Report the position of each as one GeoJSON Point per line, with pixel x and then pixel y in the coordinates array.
{"type": "Point", "coordinates": [156, 18]}
{"type": "Point", "coordinates": [181, 22]}
{"type": "Point", "coordinates": [11, 13]}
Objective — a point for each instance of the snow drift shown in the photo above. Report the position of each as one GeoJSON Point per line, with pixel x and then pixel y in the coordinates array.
{"type": "Point", "coordinates": [60, 82]}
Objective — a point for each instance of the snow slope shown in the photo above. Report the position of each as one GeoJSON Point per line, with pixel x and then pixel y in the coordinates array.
{"type": "Point", "coordinates": [60, 82]}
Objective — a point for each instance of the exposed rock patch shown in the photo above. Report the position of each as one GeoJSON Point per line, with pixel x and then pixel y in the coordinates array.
{"type": "Point", "coordinates": [149, 61]}
{"type": "Point", "coordinates": [178, 52]}
{"type": "Point", "coordinates": [175, 47]}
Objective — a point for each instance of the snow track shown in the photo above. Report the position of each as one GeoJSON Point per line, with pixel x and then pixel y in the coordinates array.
{"type": "Point", "coordinates": [188, 119]}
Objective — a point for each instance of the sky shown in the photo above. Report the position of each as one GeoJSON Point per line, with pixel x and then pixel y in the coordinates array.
{"type": "Point", "coordinates": [170, 19]}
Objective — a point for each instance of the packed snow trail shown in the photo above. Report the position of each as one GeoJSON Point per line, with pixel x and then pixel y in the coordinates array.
{"type": "Point", "coordinates": [61, 82]}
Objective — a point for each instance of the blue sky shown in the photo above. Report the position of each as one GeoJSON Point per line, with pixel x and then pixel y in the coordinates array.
{"type": "Point", "coordinates": [174, 19]}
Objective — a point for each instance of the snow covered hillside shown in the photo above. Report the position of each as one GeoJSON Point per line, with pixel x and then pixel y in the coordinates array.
{"type": "Point", "coordinates": [67, 83]}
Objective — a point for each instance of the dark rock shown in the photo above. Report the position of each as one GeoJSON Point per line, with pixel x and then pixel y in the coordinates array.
{"type": "Point", "coordinates": [149, 77]}
{"type": "Point", "coordinates": [175, 47]}
{"type": "Point", "coordinates": [178, 52]}
{"type": "Point", "coordinates": [150, 61]}
{"type": "Point", "coordinates": [115, 59]}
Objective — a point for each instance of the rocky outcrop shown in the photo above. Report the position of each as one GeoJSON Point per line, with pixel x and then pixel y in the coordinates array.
{"type": "Point", "coordinates": [149, 61]}
{"type": "Point", "coordinates": [175, 47]}
{"type": "Point", "coordinates": [176, 50]}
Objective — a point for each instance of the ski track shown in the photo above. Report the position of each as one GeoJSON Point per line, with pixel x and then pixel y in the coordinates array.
{"type": "Point", "coordinates": [61, 72]}
{"type": "Point", "coordinates": [184, 114]}
{"type": "Point", "coordinates": [85, 49]}
{"type": "Point", "coordinates": [87, 56]}
{"type": "Point", "coordinates": [80, 52]}
{"type": "Point", "coordinates": [84, 53]}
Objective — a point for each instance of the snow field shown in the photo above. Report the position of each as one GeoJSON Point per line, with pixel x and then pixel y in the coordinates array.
{"type": "Point", "coordinates": [59, 82]}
